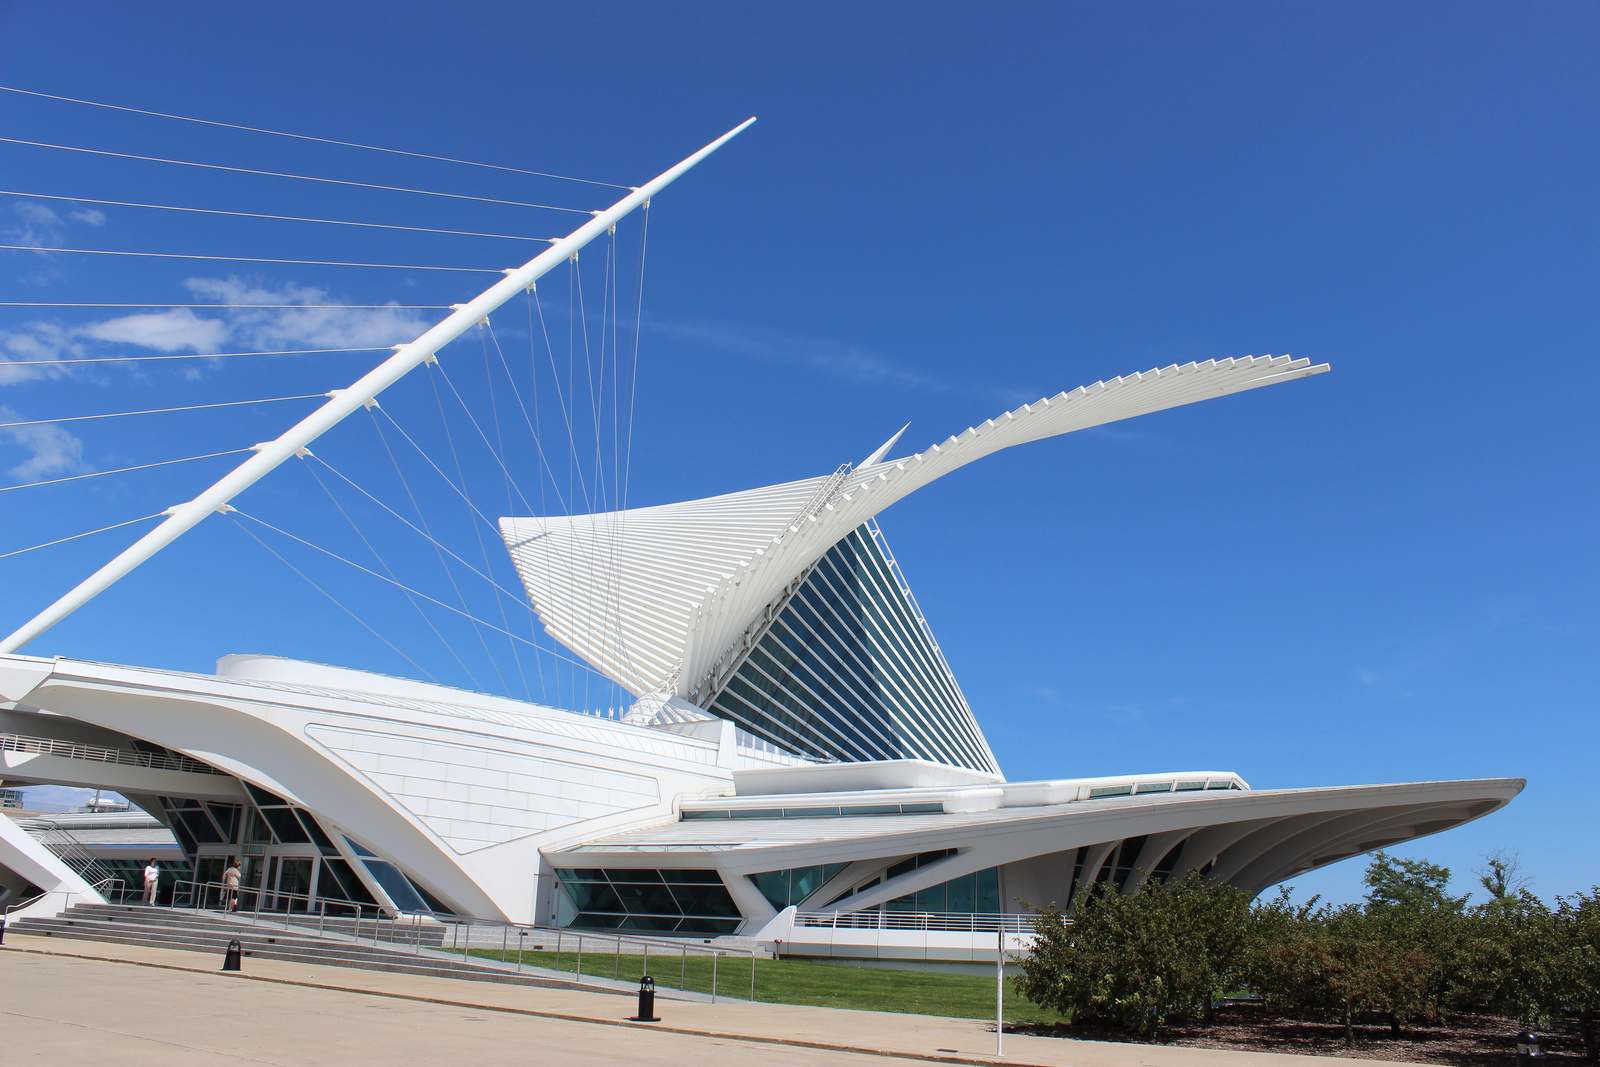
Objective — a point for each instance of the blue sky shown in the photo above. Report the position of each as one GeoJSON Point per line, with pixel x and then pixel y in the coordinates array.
{"type": "Point", "coordinates": [1385, 573]}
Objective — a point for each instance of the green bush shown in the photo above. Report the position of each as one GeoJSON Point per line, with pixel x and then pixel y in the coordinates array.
{"type": "Point", "coordinates": [1135, 962]}
{"type": "Point", "coordinates": [1409, 951]}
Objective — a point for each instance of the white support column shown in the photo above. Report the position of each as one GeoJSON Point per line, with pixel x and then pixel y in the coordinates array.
{"type": "Point", "coordinates": [342, 402]}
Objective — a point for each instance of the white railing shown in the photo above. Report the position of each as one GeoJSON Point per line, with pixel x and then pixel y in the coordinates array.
{"type": "Point", "coordinates": [954, 922]}
{"type": "Point", "coordinates": [51, 746]}
{"type": "Point", "coordinates": [610, 955]}
{"type": "Point", "coordinates": [108, 888]}
{"type": "Point", "coordinates": [69, 850]}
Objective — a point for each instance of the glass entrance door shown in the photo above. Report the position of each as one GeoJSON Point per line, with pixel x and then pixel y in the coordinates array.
{"type": "Point", "coordinates": [294, 882]}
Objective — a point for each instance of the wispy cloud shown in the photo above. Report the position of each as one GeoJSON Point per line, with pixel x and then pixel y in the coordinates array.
{"type": "Point", "coordinates": [307, 327]}
{"type": "Point", "coordinates": [47, 450]}
{"type": "Point", "coordinates": [172, 331]}
{"type": "Point", "coordinates": [38, 225]}
{"type": "Point", "coordinates": [842, 360]}
{"type": "Point", "coordinates": [35, 351]}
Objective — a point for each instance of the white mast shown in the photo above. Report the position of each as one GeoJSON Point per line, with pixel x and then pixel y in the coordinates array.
{"type": "Point", "coordinates": [342, 402]}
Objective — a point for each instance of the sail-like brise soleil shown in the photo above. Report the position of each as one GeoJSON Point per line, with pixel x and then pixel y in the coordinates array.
{"type": "Point", "coordinates": [657, 597]}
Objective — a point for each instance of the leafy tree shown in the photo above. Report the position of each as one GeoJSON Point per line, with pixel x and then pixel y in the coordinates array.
{"type": "Point", "coordinates": [1512, 960]}
{"type": "Point", "coordinates": [1577, 921]}
{"type": "Point", "coordinates": [1336, 963]}
{"type": "Point", "coordinates": [1501, 876]}
{"type": "Point", "coordinates": [1410, 907]}
{"type": "Point", "coordinates": [1137, 961]}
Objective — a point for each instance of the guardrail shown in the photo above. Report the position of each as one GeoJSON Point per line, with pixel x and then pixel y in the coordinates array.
{"type": "Point", "coordinates": [595, 954]}
{"type": "Point", "coordinates": [255, 902]}
{"type": "Point", "coordinates": [52, 746]}
{"type": "Point", "coordinates": [954, 922]}
{"type": "Point", "coordinates": [103, 887]}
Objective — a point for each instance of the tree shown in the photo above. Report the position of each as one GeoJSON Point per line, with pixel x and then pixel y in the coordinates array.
{"type": "Point", "coordinates": [1577, 921]}
{"type": "Point", "coordinates": [1513, 961]}
{"type": "Point", "coordinates": [1336, 963]}
{"type": "Point", "coordinates": [1409, 886]}
{"type": "Point", "coordinates": [1501, 875]}
{"type": "Point", "coordinates": [1137, 961]}
{"type": "Point", "coordinates": [1410, 908]}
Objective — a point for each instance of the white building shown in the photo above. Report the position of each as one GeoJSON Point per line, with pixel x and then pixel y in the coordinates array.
{"type": "Point", "coordinates": [801, 765]}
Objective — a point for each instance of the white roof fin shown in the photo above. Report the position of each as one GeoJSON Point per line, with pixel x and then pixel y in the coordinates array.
{"type": "Point", "coordinates": [883, 449]}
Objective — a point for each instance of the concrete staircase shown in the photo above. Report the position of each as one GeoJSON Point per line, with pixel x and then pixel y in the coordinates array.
{"type": "Point", "coordinates": [382, 946]}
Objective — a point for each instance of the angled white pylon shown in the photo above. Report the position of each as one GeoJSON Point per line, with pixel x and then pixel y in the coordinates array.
{"type": "Point", "coordinates": [184, 517]}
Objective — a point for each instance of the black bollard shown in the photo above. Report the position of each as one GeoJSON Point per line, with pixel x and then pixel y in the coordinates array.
{"type": "Point", "coordinates": [647, 1001]}
{"type": "Point", "coordinates": [1528, 1050]}
{"type": "Point", "coordinates": [230, 962]}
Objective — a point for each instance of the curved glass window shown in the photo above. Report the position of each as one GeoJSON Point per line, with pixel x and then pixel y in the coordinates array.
{"type": "Point", "coordinates": [666, 901]}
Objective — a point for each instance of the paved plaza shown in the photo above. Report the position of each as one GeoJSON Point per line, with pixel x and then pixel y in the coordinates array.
{"type": "Point", "coordinates": [74, 1003]}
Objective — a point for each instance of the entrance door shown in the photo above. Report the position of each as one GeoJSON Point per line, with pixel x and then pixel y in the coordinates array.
{"type": "Point", "coordinates": [294, 883]}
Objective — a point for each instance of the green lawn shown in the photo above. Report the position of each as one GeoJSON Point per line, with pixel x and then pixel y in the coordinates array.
{"type": "Point", "coordinates": [828, 984]}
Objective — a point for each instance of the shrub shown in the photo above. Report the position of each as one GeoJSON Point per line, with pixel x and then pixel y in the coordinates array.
{"type": "Point", "coordinates": [1135, 962]}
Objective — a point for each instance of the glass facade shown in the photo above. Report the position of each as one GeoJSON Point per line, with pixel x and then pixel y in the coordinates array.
{"type": "Point", "coordinates": [848, 671]}
{"type": "Point", "coordinates": [978, 892]}
{"type": "Point", "coordinates": [286, 856]}
{"type": "Point", "coordinates": [666, 901]}
{"type": "Point", "coordinates": [783, 888]}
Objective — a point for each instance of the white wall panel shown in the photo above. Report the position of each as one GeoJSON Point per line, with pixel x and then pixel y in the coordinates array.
{"type": "Point", "coordinates": [474, 796]}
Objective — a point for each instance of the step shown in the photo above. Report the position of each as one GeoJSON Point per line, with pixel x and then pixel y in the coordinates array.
{"type": "Point", "coordinates": [400, 935]}
{"type": "Point", "coordinates": [252, 939]}
{"type": "Point", "coordinates": [422, 966]}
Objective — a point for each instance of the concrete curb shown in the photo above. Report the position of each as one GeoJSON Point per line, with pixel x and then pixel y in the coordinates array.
{"type": "Point", "coordinates": [538, 1013]}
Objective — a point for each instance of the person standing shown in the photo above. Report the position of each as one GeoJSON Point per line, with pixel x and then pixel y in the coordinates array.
{"type": "Point", "coordinates": [152, 881]}
{"type": "Point", "coordinates": [230, 885]}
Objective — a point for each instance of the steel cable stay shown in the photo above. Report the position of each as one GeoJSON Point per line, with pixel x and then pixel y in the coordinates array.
{"type": "Point", "coordinates": [533, 431]}
{"type": "Point", "coordinates": [260, 260]}
{"type": "Point", "coordinates": [233, 511]}
{"type": "Point", "coordinates": [80, 536]}
{"type": "Point", "coordinates": [335, 601]}
{"type": "Point", "coordinates": [165, 357]}
{"type": "Point", "coordinates": [254, 172]}
{"type": "Point", "coordinates": [483, 550]}
{"type": "Point", "coordinates": [562, 403]}
{"type": "Point", "coordinates": [581, 325]}
{"type": "Point", "coordinates": [500, 441]}
{"type": "Point", "coordinates": [436, 468]}
{"type": "Point", "coordinates": [122, 470]}
{"type": "Point", "coordinates": [378, 556]}
{"type": "Point", "coordinates": [439, 366]}
{"type": "Point", "coordinates": [306, 137]}
{"type": "Point", "coordinates": [440, 231]}
{"type": "Point", "coordinates": [405, 483]}
{"type": "Point", "coordinates": [461, 598]}
{"type": "Point", "coordinates": [419, 531]}
{"type": "Point", "coordinates": [21, 423]}
{"type": "Point", "coordinates": [633, 390]}
{"type": "Point", "coordinates": [229, 307]}
{"type": "Point", "coordinates": [386, 554]}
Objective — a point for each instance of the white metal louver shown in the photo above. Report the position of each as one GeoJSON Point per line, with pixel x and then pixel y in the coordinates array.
{"type": "Point", "coordinates": [655, 597]}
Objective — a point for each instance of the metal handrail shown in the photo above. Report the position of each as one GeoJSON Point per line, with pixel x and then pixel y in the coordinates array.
{"type": "Point", "coordinates": [198, 893]}
{"type": "Point", "coordinates": [51, 746]}
{"type": "Point", "coordinates": [467, 934]}
{"type": "Point", "coordinates": [69, 893]}
{"type": "Point", "coordinates": [956, 922]}
{"type": "Point", "coordinates": [65, 846]}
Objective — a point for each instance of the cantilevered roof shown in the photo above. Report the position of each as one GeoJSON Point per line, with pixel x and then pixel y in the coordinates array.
{"type": "Point", "coordinates": [657, 598]}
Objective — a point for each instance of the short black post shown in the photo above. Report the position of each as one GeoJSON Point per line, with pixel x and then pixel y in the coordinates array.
{"type": "Point", "coordinates": [230, 962]}
{"type": "Point", "coordinates": [1528, 1050]}
{"type": "Point", "coordinates": [647, 1001]}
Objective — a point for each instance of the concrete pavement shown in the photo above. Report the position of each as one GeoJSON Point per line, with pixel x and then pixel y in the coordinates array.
{"type": "Point", "coordinates": [72, 1003]}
